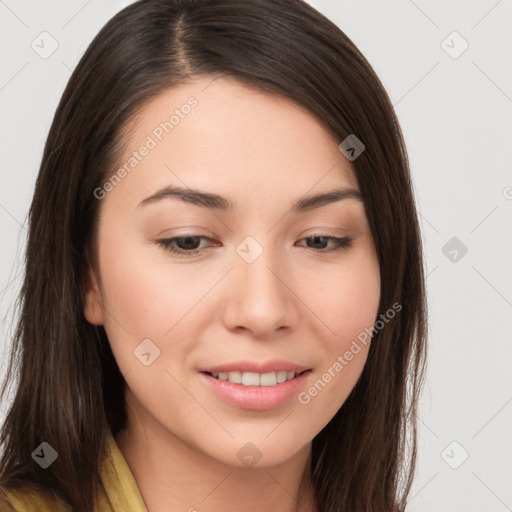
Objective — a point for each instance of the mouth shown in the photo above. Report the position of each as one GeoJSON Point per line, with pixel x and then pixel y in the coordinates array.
{"type": "Point", "coordinates": [254, 391]}
{"type": "Point", "coordinates": [256, 379]}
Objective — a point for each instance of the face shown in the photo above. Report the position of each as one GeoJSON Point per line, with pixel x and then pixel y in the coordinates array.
{"type": "Point", "coordinates": [255, 279]}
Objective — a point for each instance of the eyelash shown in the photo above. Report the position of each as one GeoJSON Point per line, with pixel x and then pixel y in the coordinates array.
{"type": "Point", "coordinates": [168, 244]}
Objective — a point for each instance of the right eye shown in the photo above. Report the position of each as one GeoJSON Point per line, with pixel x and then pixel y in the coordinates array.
{"type": "Point", "coordinates": [188, 243]}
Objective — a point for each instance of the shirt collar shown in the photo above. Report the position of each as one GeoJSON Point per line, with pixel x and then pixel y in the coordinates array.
{"type": "Point", "coordinates": [119, 484]}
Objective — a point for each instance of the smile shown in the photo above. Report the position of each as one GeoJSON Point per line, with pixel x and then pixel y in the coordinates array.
{"type": "Point", "coordinates": [254, 378]}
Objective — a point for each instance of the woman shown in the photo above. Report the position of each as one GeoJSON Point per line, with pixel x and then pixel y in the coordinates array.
{"type": "Point", "coordinates": [224, 295]}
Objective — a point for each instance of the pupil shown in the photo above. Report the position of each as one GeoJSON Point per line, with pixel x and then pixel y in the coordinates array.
{"type": "Point", "coordinates": [187, 240]}
{"type": "Point", "coordinates": [316, 239]}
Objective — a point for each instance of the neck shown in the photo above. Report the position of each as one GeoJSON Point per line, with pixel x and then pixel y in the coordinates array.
{"type": "Point", "coordinates": [173, 475]}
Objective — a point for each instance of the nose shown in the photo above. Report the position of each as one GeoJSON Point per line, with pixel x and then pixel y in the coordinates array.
{"type": "Point", "coordinates": [260, 297]}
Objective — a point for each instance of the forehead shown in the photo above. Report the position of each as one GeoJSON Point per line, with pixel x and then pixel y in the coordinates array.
{"type": "Point", "coordinates": [222, 134]}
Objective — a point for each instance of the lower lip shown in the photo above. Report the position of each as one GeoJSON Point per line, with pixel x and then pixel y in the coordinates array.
{"type": "Point", "coordinates": [256, 398]}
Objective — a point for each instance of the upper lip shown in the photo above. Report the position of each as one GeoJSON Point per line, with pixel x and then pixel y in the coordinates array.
{"type": "Point", "coordinates": [257, 367]}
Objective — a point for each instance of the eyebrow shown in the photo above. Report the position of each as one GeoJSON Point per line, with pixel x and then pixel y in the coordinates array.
{"type": "Point", "coordinates": [216, 202]}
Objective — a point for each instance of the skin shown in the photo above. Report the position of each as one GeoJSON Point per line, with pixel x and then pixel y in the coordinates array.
{"type": "Point", "coordinates": [262, 152]}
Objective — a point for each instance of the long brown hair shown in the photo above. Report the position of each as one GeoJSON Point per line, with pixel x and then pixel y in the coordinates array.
{"type": "Point", "coordinates": [70, 389]}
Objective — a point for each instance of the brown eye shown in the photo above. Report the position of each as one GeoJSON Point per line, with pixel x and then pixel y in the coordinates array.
{"type": "Point", "coordinates": [183, 245]}
{"type": "Point", "coordinates": [322, 241]}
{"type": "Point", "coordinates": [188, 245]}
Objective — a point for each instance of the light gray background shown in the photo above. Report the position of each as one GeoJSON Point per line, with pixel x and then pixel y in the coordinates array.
{"type": "Point", "coordinates": [456, 118]}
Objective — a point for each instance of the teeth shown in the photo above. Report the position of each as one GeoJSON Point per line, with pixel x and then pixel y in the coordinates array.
{"type": "Point", "coordinates": [282, 376]}
{"type": "Point", "coordinates": [252, 379]}
{"type": "Point", "coordinates": [255, 379]}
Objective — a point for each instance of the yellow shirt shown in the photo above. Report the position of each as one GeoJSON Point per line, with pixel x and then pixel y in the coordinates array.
{"type": "Point", "coordinates": [118, 491]}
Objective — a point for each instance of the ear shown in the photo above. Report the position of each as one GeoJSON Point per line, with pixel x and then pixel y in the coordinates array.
{"type": "Point", "coordinates": [93, 307]}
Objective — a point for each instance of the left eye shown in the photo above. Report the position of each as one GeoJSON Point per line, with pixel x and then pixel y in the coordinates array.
{"type": "Point", "coordinates": [189, 244]}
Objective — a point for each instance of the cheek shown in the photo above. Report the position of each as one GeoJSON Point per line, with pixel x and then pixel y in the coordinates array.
{"type": "Point", "coordinates": [347, 300]}
{"type": "Point", "coordinates": [348, 305]}
{"type": "Point", "coordinates": [144, 294]}
{"type": "Point", "coordinates": [142, 299]}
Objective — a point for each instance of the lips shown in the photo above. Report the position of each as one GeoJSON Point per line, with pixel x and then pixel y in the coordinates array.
{"type": "Point", "coordinates": [255, 398]}
{"type": "Point", "coordinates": [256, 367]}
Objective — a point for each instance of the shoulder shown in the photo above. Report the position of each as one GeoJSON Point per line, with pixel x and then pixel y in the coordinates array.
{"type": "Point", "coordinates": [29, 499]}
